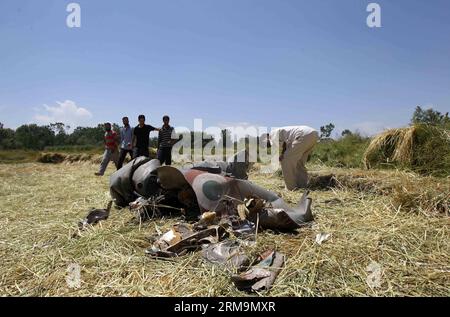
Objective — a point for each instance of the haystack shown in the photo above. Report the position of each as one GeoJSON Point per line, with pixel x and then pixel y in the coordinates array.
{"type": "Point", "coordinates": [424, 149]}
{"type": "Point", "coordinates": [53, 158]}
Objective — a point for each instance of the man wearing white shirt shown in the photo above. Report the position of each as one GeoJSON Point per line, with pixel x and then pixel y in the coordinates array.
{"type": "Point", "coordinates": [296, 143]}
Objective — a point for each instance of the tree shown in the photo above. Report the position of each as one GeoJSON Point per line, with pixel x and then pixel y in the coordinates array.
{"type": "Point", "coordinates": [116, 127]}
{"type": "Point", "coordinates": [60, 131]}
{"type": "Point", "coordinates": [325, 131]}
{"type": "Point", "coordinates": [87, 136]}
{"type": "Point", "coordinates": [154, 142]}
{"type": "Point", "coordinates": [58, 128]}
{"type": "Point", "coordinates": [429, 116]}
{"type": "Point", "coordinates": [32, 136]}
{"type": "Point", "coordinates": [7, 140]}
{"type": "Point", "coordinates": [202, 137]}
{"type": "Point", "coordinates": [346, 132]}
{"type": "Point", "coordinates": [226, 138]}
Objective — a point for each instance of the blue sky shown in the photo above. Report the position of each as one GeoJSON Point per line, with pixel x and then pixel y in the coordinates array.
{"type": "Point", "coordinates": [261, 62]}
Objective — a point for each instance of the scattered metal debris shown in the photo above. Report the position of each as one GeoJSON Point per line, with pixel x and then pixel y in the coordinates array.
{"type": "Point", "coordinates": [182, 239]}
{"type": "Point", "coordinates": [262, 275]}
{"type": "Point", "coordinates": [228, 253]}
{"type": "Point", "coordinates": [94, 216]}
{"type": "Point", "coordinates": [146, 209]}
{"type": "Point", "coordinates": [229, 210]}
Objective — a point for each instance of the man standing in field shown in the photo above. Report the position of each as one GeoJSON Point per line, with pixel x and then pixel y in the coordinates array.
{"type": "Point", "coordinates": [165, 142]}
{"type": "Point", "coordinates": [111, 149]}
{"type": "Point", "coordinates": [126, 141]}
{"type": "Point", "coordinates": [296, 143]}
{"type": "Point", "coordinates": [141, 136]}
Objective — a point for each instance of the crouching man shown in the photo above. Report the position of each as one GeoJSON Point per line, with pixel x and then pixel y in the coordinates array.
{"type": "Point", "coordinates": [296, 144]}
{"type": "Point", "coordinates": [111, 149]}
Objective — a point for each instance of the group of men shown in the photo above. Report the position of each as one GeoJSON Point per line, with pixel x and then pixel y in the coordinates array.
{"type": "Point", "coordinates": [296, 144]}
{"type": "Point", "coordinates": [135, 142]}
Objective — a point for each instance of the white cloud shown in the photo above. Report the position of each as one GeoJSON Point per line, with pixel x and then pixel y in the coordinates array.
{"type": "Point", "coordinates": [67, 112]}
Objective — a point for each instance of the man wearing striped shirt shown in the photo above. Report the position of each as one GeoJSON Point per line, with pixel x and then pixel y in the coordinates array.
{"type": "Point", "coordinates": [165, 142]}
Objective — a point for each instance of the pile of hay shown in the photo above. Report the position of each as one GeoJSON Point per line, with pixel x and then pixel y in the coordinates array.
{"type": "Point", "coordinates": [426, 195]}
{"type": "Point", "coordinates": [94, 158]}
{"type": "Point", "coordinates": [56, 158]}
{"type": "Point", "coordinates": [423, 149]}
{"type": "Point", "coordinates": [407, 192]}
{"type": "Point", "coordinates": [53, 158]}
{"type": "Point", "coordinates": [18, 156]}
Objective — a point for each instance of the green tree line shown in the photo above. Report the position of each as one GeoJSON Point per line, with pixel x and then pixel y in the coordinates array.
{"type": "Point", "coordinates": [35, 137]}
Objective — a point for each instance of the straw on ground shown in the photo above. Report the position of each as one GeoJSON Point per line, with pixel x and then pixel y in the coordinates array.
{"type": "Point", "coordinates": [41, 204]}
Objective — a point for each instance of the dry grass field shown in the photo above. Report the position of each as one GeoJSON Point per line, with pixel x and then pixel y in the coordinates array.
{"type": "Point", "coordinates": [397, 220]}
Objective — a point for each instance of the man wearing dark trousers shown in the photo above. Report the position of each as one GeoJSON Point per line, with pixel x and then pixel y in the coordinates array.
{"type": "Point", "coordinates": [141, 136]}
{"type": "Point", "coordinates": [165, 142]}
{"type": "Point", "coordinates": [126, 142]}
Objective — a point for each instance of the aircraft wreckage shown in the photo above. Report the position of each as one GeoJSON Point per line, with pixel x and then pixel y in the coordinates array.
{"type": "Point", "coordinates": [223, 202]}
